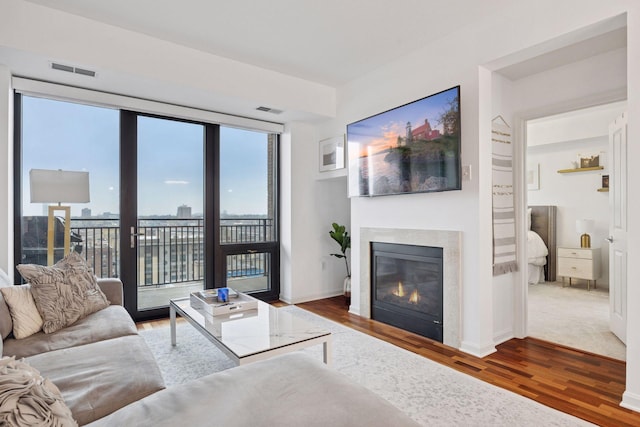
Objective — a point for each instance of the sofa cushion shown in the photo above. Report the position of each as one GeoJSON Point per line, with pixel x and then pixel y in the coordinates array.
{"type": "Point", "coordinates": [112, 322]}
{"type": "Point", "coordinates": [24, 313]}
{"type": "Point", "coordinates": [6, 324]}
{"type": "Point", "coordinates": [64, 292]}
{"type": "Point", "coordinates": [28, 399]}
{"type": "Point", "coordinates": [99, 378]}
{"type": "Point", "coordinates": [288, 390]}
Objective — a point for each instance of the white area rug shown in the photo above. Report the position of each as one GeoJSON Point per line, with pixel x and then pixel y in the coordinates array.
{"type": "Point", "coordinates": [430, 393]}
{"type": "Point", "coordinates": [574, 317]}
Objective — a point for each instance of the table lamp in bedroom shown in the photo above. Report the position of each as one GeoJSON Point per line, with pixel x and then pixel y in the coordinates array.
{"type": "Point", "coordinates": [584, 227]}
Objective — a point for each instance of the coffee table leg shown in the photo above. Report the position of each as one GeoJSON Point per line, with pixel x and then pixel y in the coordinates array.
{"type": "Point", "coordinates": [172, 321]}
{"type": "Point", "coordinates": [326, 350]}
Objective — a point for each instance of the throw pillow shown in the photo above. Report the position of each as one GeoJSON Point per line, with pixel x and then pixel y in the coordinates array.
{"type": "Point", "coordinates": [28, 399]}
{"type": "Point", "coordinates": [24, 313]}
{"type": "Point", "coordinates": [4, 278]}
{"type": "Point", "coordinates": [65, 292]}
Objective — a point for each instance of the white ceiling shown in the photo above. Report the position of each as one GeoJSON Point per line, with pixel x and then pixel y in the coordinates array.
{"type": "Point", "coordinates": [327, 41]}
{"type": "Point", "coordinates": [330, 42]}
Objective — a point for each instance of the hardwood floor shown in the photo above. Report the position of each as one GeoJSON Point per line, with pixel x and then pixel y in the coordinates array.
{"type": "Point", "coordinates": [582, 384]}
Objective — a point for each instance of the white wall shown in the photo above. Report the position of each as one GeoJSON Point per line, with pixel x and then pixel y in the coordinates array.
{"type": "Point", "coordinates": [503, 285]}
{"type": "Point", "coordinates": [6, 176]}
{"type": "Point", "coordinates": [469, 211]}
{"type": "Point", "coordinates": [308, 207]}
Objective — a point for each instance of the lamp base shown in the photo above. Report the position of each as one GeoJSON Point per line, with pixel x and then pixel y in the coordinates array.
{"type": "Point", "coordinates": [585, 241]}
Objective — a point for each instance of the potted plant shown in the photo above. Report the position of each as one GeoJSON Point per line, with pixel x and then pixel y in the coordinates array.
{"type": "Point", "coordinates": [341, 236]}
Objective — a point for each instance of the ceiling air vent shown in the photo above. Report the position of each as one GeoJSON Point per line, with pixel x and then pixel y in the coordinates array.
{"type": "Point", "coordinates": [269, 110]}
{"type": "Point", "coordinates": [71, 69]}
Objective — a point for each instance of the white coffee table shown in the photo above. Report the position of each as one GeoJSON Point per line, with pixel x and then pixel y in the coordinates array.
{"type": "Point", "coordinates": [252, 335]}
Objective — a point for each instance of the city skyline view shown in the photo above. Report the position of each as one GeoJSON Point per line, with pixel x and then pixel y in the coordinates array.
{"type": "Point", "coordinates": [170, 160]}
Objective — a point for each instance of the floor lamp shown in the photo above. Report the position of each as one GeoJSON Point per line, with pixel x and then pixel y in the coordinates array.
{"type": "Point", "coordinates": [58, 186]}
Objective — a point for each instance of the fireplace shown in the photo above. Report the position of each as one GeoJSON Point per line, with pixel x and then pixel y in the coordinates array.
{"type": "Point", "coordinates": [407, 287]}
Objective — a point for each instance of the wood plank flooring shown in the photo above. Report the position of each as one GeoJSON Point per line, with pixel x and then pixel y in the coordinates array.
{"type": "Point", "coordinates": [582, 384]}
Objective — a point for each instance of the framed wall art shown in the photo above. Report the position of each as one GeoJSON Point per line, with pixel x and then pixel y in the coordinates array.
{"type": "Point", "coordinates": [332, 154]}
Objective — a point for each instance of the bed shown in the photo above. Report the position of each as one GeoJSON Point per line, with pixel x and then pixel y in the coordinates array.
{"type": "Point", "coordinates": [541, 244]}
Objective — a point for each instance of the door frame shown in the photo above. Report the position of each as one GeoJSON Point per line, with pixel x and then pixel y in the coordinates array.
{"type": "Point", "coordinates": [521, 298]}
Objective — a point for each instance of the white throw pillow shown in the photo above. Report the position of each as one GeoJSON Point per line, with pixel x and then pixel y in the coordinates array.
{"type": "Point", "coordinates": [4, 278]}
{"type": "Point", "coordinates": [24, 313]}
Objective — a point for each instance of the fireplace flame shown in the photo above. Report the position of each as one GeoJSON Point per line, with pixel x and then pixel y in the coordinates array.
{"type": "Point", "coordinates": [414, 298]}
{"type": "Point", "coordinates": [400, 291]}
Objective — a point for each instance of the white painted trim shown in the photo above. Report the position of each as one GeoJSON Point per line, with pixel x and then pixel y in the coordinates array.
{"type": "Point", "coordinates": [476, 350]}
{"type": "Point", "coordinates": [111, 100]}
{"type": "Point", "coordinates": [521, 308]}
{"type": "Point", "coordinates": [502, 336]}
{"type": "Point", "coordinates": [313, 297]}
{"type": "Point", "coordinates": [630, 401]}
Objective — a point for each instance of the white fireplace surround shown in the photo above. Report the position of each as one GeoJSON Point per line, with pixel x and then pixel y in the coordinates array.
{"type": "Point", "coordinates": [449, 241]}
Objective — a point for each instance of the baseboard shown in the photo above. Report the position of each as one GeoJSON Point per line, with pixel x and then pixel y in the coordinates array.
{"type": "Point", "coordinates": [476, 350]}
{"type": "Point", "coordinates": [502, 337]}
{"type": "Point", "coordinates": [313, 297]}
{"type": "Point", "coordinates": [631, 401]}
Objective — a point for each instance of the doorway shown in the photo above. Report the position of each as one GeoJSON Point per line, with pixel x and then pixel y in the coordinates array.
{"type": "Point", "coordinates": [569, 154]}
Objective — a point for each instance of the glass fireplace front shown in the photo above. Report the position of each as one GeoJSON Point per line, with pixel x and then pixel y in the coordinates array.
{"type": "Point", "coordinates": [407, 287]}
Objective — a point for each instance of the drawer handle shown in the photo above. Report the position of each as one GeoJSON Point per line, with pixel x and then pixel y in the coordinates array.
{"type": "Point", "coordinates": [573, 268]}
{"type": "Point", "coordinates": [574, 253]}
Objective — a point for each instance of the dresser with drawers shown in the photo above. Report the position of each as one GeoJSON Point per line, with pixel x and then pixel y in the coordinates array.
{"type": "Point", "coordinates": [579, 263]}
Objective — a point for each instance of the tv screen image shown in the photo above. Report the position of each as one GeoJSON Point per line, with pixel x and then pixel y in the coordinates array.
{"type": "Point", "coordinates": [414, 148]}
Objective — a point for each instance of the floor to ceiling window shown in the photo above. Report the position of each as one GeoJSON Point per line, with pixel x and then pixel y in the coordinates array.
{"type": "Point", "coordinates": [248, 214]}
{"type": "Point", "coordinates": [175, 205]}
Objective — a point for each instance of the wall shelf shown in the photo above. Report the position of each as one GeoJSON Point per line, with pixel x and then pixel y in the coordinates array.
{"type": "Point", "coordinates": [595, 168]}
{"type": "Point", "coordinates": [603, 190]}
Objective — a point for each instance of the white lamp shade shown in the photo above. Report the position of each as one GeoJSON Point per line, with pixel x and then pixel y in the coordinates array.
{"type": "Point", "coordinates": [58, 186]}
{"type": "Point", "coordinates": [584, 226]}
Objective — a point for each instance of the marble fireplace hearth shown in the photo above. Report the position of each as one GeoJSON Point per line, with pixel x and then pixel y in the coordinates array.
{"type": "Point", "coordinates": [450, 243]}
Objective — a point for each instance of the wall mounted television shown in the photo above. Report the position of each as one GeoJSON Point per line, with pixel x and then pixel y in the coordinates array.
{"type": "Point", "coordinates": [414, 148]}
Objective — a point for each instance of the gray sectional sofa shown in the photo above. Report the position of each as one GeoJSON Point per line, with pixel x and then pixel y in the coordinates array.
{"type": "Point", "coordinates": [108, 377]}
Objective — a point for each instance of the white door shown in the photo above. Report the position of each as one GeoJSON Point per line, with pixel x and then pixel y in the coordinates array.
{"type": "Point", "coordinates": [618, 227]}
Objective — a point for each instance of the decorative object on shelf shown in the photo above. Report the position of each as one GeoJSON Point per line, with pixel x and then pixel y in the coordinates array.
{"type": "Point", "coordinates": [341, 236]}
{"type": "Point", "coordinates": [414, 148]}
{"type": "Point", "coordinates": [332, 154]}
{"type": "Point", "coordinates": [533, 177]}
{"type": "Point", "coordinates": [584, 227]}
{"type": "Point", "coordinates": [589, 162]}
{"type": "Point", "coordinates": [605, 181]}
{"type": "Point", "coordinates": [58, 186]}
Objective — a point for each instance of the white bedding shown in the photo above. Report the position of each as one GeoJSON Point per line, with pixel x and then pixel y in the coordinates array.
{"type": "Point", "coordinates": [536, 257]}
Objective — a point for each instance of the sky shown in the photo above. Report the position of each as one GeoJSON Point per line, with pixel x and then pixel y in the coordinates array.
{"type": "Point", "coordinates": [68, 136]}
{"type": "Point", "coordinates": [378, 132]}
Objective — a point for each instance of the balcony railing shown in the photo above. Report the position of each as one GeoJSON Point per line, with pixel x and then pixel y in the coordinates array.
{"type": "Point", "coordinates": [170, 250]}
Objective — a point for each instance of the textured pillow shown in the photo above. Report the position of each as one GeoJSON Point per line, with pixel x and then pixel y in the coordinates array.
{"type": "Point", "coordinates": [24, 313]}
{"type": "Point", "coordinates": [28, 399]}
{"type": "Point", "coordinates": [65, 292]}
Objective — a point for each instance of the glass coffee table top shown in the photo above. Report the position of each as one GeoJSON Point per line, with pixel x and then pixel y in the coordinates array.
{"type": "Point", "coordinates": [254, 334]}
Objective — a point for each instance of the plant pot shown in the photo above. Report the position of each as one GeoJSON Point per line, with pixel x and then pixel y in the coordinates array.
{"type": "Point", "coordinates": [347, 286]}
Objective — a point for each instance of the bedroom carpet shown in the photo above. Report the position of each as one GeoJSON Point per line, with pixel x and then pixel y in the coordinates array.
{"type": "Point", "coordinates": [574, 317]}
{"type": "Point", "coordinates": [430, 393]}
